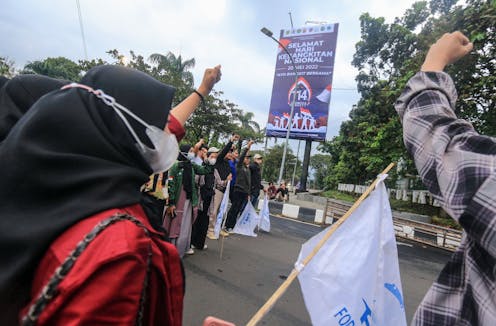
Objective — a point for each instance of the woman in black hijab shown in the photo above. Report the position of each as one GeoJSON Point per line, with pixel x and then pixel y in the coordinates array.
{"type": "Point", "coordinates": [18, 94]}
{"type": "Point", "coordinates": [183, 199]}
{"type": "Point", "coordinates": [83, 157]}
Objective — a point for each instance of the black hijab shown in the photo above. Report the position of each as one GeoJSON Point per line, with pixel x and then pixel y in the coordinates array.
{"type": "Point", "coordinates": [19, 94]}
{"type": "Point", "coordinates": [69, 157]}
{"type": "Point", "coordinates": [3, 80]}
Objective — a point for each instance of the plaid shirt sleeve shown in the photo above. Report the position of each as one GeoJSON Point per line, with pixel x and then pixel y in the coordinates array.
{"type": "Point", "coordinates": [458, 166]}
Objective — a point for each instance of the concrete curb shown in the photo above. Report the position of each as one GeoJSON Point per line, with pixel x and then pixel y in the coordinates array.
{"type": "Point", "coordinates": [311, 215]}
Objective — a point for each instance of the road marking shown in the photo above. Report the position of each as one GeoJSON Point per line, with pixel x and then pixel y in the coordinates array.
{"type": "Point", "coordinates": [404, 244]}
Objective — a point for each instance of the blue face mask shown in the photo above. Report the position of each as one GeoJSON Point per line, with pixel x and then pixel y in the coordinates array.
{"type": "Point", "coordinates": [163, 155]}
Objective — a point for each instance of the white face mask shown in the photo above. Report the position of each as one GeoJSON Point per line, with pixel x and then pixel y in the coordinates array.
{"type": "Point", "coordinates": [164, 154]}
{"type": "Point", "coordinates": [212, 161]}
{"type": "Point", "coordinates": [165, 151]}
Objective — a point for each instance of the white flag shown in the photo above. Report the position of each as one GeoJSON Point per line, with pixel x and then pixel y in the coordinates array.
{"type": "Point", "coordinates": [264, 223]}
{"type": "Point", "coordinates": [354, 278]}
{"type": "Point", "coordinates": [247, 221]}
{"type": "Point", "coordinates": [325, 96]}
{"type": "Point", "coordinates": [222, 210]}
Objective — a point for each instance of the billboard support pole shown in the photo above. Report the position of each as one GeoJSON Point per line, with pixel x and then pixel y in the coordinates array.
{"type": "Point", "coordinates": [296, 162]}
{"type": "Point", "coordinates": [306, 161]}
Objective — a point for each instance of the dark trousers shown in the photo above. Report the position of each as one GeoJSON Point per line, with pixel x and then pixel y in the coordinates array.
{"type": "Point", "coordinates": [200, 227]}
{"type": "Point", "coordinates": [238, 202]}
{"type": "Point", "coordinates": [254, 199]}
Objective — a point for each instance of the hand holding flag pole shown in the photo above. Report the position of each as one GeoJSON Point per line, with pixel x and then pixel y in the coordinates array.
{"type": "Point", "coordinates": [294, 273]}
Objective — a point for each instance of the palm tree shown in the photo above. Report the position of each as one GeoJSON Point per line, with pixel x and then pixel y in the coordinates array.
{"type": "Point", "coordinates": [174, 68]}
{"type": "Point", "coordinates": [248, 128]}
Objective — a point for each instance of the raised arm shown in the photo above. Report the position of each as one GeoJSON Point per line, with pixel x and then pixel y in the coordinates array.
{"type": "Point", "coordinates": [227, 148]}
{"type": "Point", "coordinates": [456, 164]}
{"type": "Point", "coordinates": [184, 109]}
{"type": "Point", "coordinates": [244, 153]}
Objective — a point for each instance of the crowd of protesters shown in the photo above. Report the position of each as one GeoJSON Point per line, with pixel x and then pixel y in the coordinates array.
{"type": "Point", "coordinates": [190, 193]}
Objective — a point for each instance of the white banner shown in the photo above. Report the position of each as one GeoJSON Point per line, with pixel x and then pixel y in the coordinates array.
{"type": "Point", "coordinates": [247, 221]}
{"type": "Point", "coordinates": [222, 211]}
{"type": "Point", "coordinates": [264, 223]}
{"type": "Point", "coordinates": [354, 278]}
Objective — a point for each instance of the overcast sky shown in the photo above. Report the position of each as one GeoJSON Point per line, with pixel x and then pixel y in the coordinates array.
{"type": "Point", "coordinates": [211, 31]}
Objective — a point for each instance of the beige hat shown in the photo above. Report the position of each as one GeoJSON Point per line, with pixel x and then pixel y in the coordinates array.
{"type": "Point", "coordinates": [213, 150]}
{"type": "Point", "coordinates": [257, 156]}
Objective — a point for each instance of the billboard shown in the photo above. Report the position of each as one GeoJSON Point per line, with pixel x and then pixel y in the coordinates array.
{"type": "Point", "coordinates": [312, 49]}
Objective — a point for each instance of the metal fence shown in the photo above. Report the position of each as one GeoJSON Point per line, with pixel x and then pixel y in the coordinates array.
{"type": "Point", "coordinates": [425, 233]}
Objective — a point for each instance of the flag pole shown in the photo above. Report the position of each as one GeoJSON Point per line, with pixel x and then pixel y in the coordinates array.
{"type": "Point", "coordinates": [294, 273]}
{"type": "Point", "coordinates": [221, 247]}
{"type": "Point", "coordinates": [224, 218]}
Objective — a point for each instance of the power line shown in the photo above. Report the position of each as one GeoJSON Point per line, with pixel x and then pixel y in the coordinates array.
{"type": "Point", "coordinates": [82, 30]}
{"type": "Point", "coordinates": [344, 89]}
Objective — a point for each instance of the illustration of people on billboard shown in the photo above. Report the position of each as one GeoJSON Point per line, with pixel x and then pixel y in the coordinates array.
{"type": "Point", "coordinates": [308, 121]}
{"type": "Point", "coordinates": [296, 120]}
{"type": "Point", "coordinates": [285, 120]}
{"type": "Point", "coordinates": [303, 119]}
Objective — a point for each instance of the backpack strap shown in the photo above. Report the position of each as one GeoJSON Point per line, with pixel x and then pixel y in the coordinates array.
{"type": "Point", "coordinates": [50, 290]}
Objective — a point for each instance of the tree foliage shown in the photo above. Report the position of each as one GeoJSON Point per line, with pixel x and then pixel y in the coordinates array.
{"type": "Point", "coordinates": [320, 163]}
{"type": "Point", "coordinates": [387, 56]}
{"type": "Point", "coordinates": [6, 67]}
{"type": "Point", "coordinates": [272, 163]}
{"type": "Point", "coordinates": [59, 67]}
{"type": "Point", "coordinates": [214, 121]}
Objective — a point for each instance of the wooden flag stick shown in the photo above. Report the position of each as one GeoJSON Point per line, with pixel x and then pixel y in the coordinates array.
{"type": "Point", "coordinates": [224, 220]}
{"type": "Point", "coordinates": [222, 246]}
{"type": "Point", "coordinates": [294, 273]}
{"type": "Point", "coordinates": [223, 237]}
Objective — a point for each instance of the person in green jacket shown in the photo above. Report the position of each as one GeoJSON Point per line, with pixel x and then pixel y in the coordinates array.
{"type": "Point", "coordinates": [183, 198]}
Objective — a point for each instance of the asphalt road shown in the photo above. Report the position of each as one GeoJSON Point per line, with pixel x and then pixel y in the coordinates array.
{"type": "Point", "coordinates": [251, 269]}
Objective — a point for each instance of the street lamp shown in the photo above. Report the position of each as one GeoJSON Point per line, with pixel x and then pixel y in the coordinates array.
{"type": "Point", "coordinates": [296, 162]}
{"type": "Point", "coordinates": [270, 34]}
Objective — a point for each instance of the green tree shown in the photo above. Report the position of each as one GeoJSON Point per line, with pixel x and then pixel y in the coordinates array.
{"type": "Point", "coordinates": [321, 164]}
{"type": "Point", "coordinates": [212, 121]}
{"type": "Point", "coordinates": [85, 65]}
{"type": "Point", "coordinates": [174, 68]}
{"type": "Point", "coordinates": [387, 56]}
{"type": "Point", "coordinates": [247, 127]}
{"type": "Point", "coordinates": [6, 67]}
{"type": "Point", "coordinates": [59, 67]}
{"type": "Point", "coordinates": [272, 163]}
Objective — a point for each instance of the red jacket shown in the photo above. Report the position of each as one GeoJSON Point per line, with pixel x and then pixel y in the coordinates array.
{"type": "Point", "coordinates": [106, 282]}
